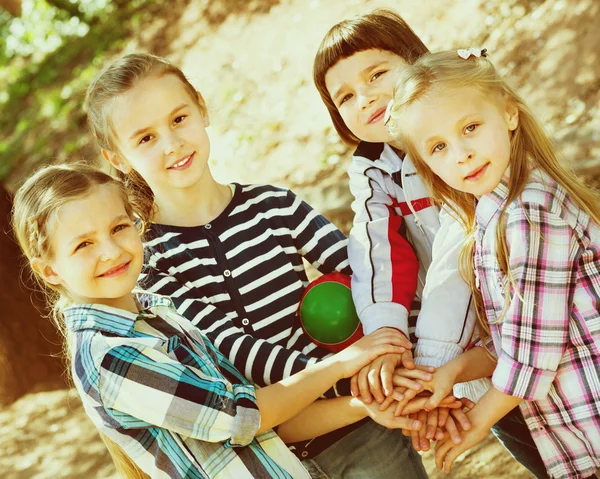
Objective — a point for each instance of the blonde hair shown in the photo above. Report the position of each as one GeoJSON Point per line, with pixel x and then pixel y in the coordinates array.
{"type": "Point", "coordinates": [35, 206]}
{"type": "Point", "coordinates": [124, 465]}
{"type": "Point", "coordinates": [531, 148]}
{"type": "Point", "coordinates": [119, 78]}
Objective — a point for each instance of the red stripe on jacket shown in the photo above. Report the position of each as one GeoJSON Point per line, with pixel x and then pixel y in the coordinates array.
{"type": "Point", "coordinates": [405, 265]}
{"type": "Point", "coordinates": [417, 205]}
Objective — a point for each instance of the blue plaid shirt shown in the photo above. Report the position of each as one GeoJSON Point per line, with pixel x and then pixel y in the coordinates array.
{"type": "Point", "coordinates": [160, 390]}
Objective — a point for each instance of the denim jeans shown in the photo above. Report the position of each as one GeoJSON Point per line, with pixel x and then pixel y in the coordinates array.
{"type": "Point", "coordinates": [513, 434]}
{"type": "Point", "coordinates": [369, 452]}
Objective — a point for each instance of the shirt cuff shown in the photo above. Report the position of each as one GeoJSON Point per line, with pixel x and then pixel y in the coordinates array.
{"type": "Point", "coordinates": [247, 416]}
{"type": "Point", "coordinates": [384, 315]}
{"type": "Point", "coordinates": [521, 380]}
{"type": "Point", "coordinates": [435, 353]}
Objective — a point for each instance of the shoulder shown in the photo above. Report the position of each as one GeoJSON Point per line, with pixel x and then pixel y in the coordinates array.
{"type": "Point", "coordinates": [542, 194]}
{"type": "Point", "coordinates": [369, 151]}
{"type": "Point", "coordinates": [370, 158]}
{"type": "Point", "coordinates": [260, 193]}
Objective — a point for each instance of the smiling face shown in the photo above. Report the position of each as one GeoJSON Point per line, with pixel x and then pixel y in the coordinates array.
{"type": "Point", "coordinates": [97, 252]}
{"type": "Point", "coordinates": [361, 86]}
{"type": "Point", "coordinates": [463, 136]}
{"type": "Point", "coordinates": [160, 133]}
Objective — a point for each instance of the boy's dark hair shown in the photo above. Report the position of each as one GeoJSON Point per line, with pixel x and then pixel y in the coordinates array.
{"type": "Point", "coordinates": [379, 30]}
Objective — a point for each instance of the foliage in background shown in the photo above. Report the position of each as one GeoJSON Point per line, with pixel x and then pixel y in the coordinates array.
{"type": "Point", "coordinates": [49, 56]}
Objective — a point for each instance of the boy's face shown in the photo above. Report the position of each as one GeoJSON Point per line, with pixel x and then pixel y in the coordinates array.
{"type": "Point", "coordinates": [361, 86]}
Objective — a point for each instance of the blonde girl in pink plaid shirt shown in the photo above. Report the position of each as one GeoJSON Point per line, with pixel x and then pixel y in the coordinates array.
{"type": "Point", "coordinates": [532, 258]}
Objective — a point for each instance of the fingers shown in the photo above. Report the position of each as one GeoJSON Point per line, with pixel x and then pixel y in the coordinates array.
{"type": "Point", "coordinates": [417, 373]}
{"type": "Point", "coordinates": [423, 441]}
{"type": "Point", "coordinates": [404, 423]}
{"type": "Point", "coordinates": [453, 431]}
{"type": "Point", "coordinates": [410, 404]}
{"type": "Point", "coordinates": [432, 424]}
{"type": "Point", "coordinates": [363, 385]}
{"type": "Point", "coordinates": [407, 360]}
{"type": "Point", "coordinates": [406, 382]}
{"type": "Point", "coordinates": [416, 444]}
{"type": "Point", "coordinates": [409, 394]}
{"type": "Point", "coordinates": [436, 399]}
{"type": "Point", "coordinates": [443, 413]}
{"type": "Point", "coordinates": [391, 336]}
{"type": "Point", "coordinates": [461, 417]}
{"type": "Point", "coordinates": [451, 456]}
{"type": "Point", "coordinates": [441, 450]}
{"type": "Point", "coordinates": [386, 403]}
{"type": "Point", "coordinates": [387, 374]}
{"type": "Point", "coordinates": [354, 390]}
{"type": "Point", "coordinates": [373, 378]}
{"type": "Point", "coordinates": [467, 403]}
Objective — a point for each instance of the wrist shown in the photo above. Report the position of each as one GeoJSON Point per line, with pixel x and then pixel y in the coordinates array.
{"type": "Point", "coordinates": [358, 409]}
{"type": "Point", "coordinates": [451, 372]}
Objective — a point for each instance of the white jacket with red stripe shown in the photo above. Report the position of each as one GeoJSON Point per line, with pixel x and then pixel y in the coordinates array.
{"type": "Point", "coordinates": [388, 192]}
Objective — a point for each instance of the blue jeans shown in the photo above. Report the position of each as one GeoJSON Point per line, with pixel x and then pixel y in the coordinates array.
{"type": "Point", "coordinates": [369, 452]}
{"type": "Point", "coordinates": [513, 434]}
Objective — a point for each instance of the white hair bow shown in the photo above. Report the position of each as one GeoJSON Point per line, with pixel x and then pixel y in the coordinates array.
{"type": "Point", "coordinates": [476, 52]}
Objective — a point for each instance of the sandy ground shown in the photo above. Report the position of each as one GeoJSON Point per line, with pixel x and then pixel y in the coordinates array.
{"type": "Point", "coordinates": [252, 61]}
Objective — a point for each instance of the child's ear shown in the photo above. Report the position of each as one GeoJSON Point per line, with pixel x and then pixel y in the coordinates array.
{"type": "Point", "coordinates": [203, 109]}
{"type": "Point", "coordinates": [45, 271]}
{"type": "Point", "coordinates": [115, 160]}
{"type": "Point", "coordinates": [511, 114]}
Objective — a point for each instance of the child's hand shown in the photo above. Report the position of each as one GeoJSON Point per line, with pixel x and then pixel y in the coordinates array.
{"type": "Point", "coordinates": [440, 386]}
{"type": "Point", "coordinates": [387, 418]}
{"type": "Point", "coordinates": [379, 378]}
{"type": "Point", "coordinates": [368, 348]}
{"type": "Point", "coordinates": [447, 450]}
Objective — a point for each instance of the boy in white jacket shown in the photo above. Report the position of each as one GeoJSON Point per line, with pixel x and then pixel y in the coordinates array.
{"type": "Point", "coordinates": [394, 218]}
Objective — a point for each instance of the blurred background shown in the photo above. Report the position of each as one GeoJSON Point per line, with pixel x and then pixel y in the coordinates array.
{"type": "Point", "coordinates": [252, 61]}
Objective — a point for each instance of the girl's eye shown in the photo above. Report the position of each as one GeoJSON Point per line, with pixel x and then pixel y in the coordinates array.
{"type": "Point", "coordinates": [345, 99]}
{"type": "Point", "coordinates": [377, 75]}
{"type": "Point", "coordinates": [179, 119]}
{"type": "Point", "coordinates": [82, 245]}
{"type": "Point", "coordinates": [438, 147]}
{"type": "Point", "coordinates": [145, 139]}
{"type": "Point", "coordinates": [471, 128]}
{"type": "Point", "coordinates": [120, 228]}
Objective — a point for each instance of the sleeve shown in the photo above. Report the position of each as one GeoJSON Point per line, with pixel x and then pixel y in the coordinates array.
{"type": "Point", "coordinates": [142, 386]}
{"type": "Point", "coordinates": [447, 319]}
{"type": "Point", "coordinates": [385, 267]}
{"type": "Point", "coordinates": [543, 256]}
{"type": "Point", "coordinates": [316, 239]}
{"type": "Point", "coordinates": [258, 360]}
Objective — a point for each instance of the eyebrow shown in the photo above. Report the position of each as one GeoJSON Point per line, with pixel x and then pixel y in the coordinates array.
{"type": "Point", "coordinates": [142, 130]}
{"type": "Point", "coordinates": [362, 72]}
{"type": "Point", "coordinates": [78, 238]}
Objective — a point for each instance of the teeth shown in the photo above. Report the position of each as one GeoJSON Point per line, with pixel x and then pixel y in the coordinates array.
{"type": "Point", "coordinates": [182, 162]}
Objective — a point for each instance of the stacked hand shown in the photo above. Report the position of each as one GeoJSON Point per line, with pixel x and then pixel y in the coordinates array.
{"type": "Point", "coordinates": [418, 393]}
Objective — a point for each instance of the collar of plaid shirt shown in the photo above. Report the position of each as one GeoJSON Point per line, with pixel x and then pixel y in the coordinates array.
{"type": "Point", "coordinates": [117, 321]}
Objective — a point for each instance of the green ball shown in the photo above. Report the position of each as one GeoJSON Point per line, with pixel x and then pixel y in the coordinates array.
{"type": "Point", "coordinates": [328, 314]}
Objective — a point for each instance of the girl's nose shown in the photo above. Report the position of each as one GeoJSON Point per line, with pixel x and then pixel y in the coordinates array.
{"type": "Point", "coordinates": [110, 250]}
{"type": "Point", "coordinates": [172, 143]}
{"type": "Point", "coordinates": [464, 154]}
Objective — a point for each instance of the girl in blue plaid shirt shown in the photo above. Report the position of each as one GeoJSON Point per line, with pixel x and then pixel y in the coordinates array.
{"type": "Point", "coordinates": [532, 258]}
{"type": "Point", "coordinates": [167, 402]}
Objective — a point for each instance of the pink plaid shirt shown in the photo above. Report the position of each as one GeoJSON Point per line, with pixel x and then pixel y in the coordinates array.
{"type": "Point", "coordinates": [548, 344]}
